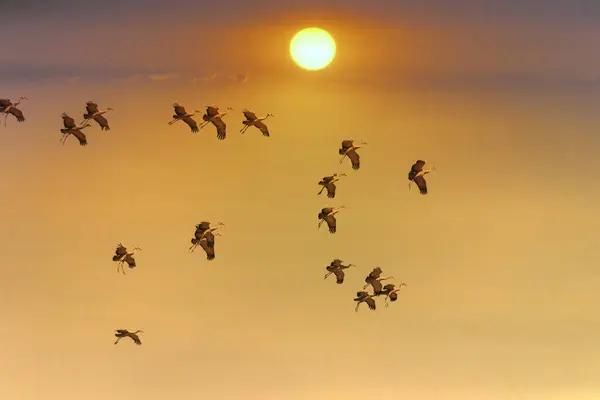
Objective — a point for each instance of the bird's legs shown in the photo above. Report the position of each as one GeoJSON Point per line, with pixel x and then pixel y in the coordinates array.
{"type": "Point", "coordinates": [117, 341]}
{"type": "Point", "coordinates": [357, 305]}
{"type": "Point", "coordinates": [387, 301]}
{"type": "Point", "coordinates": [327, 274]}
{"type": "Point", "coordinates": [64, 137]}
{"type": "Point", "coordinates": [173, 121]}
{"type": "Point", "coordinates": [244, 129]}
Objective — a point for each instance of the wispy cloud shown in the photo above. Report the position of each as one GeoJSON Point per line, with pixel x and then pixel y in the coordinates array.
{"type": "Point", "coordinates": [162, 77]}
{"type": "Point", "coordinates": [238, 78]}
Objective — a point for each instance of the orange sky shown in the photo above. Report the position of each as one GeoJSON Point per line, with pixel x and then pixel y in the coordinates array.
{"type": "Point", "coordinates": [499, 257]}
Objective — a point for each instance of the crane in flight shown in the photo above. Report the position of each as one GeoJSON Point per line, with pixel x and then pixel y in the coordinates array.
{"type": "Point", "coordinates": [391, 292]}
{"type": "Point", "coordinates": [348, 149]}
{"type": "Point", "coordinates": [122, 333]}
{"type": "Point", "coordinates": [365, 297]}
{"type": "Point", "coordinates": [328, 182]}
{"type": "Point", "coordinates": [374, 279]}
{"type": "Point", "coordinates": [123, 256]}
{"type": "Point", "coordinates": [337, 268]}
{"type": "Point", "coordinates": [327, 214]}
{"type": "Point", "coordinates": [205, 238]}
{"type": "Point", "coordinates": [96, 115]}
{"type": "Point", "coordinates": [182, 115]}
{"type": "Point", "coordinates": [70, 128]}
{"type": "Point", "coordinates": [253, 120]}
{"type": "Point", "coordinates": [417, 175]}
{"type": "Point", "coordinates": [8, 107]}
{"type": "Point", "coordinates": [213, 116]}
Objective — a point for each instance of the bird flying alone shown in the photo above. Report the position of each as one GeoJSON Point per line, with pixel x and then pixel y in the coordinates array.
{"type": "Point", "coordinates": [8, 107]}
{"type": "Point", "coordinates": [121, 333]}
{"type": "Point", "coordinates": [328, 182]}
{"type": "Point", "coordinates": [70, 128]}
{"type": "Point", "coordinates": [327, 214]}
{"type": "Point", "coordinates": [253, 120]}
{"type": "Point", "coordinates": [96, 115]}
{"type": "Point", "coordinates": [213, 116]}
{"type": "Point", "coordinates": [205, 238]}
{"type": "Point", "coordinates": [182, 115]}
{"type": "Point", "coordinates": [417, 175]}
{"type": "Point", "coordinates": [123, 256]}
{"type": "Point", "coordinates": [337, 268]}
{"type": "Point", "coordinates": [348, 149]}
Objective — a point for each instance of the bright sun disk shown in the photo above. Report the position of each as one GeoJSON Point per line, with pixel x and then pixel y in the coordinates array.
{"type": "Point", "coordinates": [312, 48]}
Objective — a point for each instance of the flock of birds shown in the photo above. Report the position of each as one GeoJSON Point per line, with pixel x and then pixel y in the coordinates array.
{"type": "Point", "coordinates": [204, 235]}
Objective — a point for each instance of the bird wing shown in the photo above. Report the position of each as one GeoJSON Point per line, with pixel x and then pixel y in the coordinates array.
{"type": "Point", "coordinates": [361, 294]}
{"type": "Point", "coordinates": [91, 107]}
{"type": "Point", "coordinates": [17, 113]}
{"type": "Point", "coordinates": [326, 210]}
{"type": "Point", "coordinates": [336, 263]}
{"type": "Point", "coordinates": [135, 338]}
{"type": "Point", "coordinates": [331, 223]}
{"type": "Point", "coordinates": [80, 136]}
{"type": "Point", "coordinates": [210, 250]}
{"type": "Point", "coordinates": [221, 127]}
{"type": "Point", "coordinates": [389, 287]}
{"type": "Point", "coordinates": [330, 190]}
{"type": "Point", "coordinates": [354, 159]}
{"type": "Point", "coordinates": [421, 183]}
{"type": "Point", "coordinates": [191, 123]}
{"type": "Point", "coordinates": [179, 110]}
{"type": "Point", "coordinates": [121, 251]}
{"type": "Point", "coordinates": [376, 285]}
{"type": "Point", "coordinates": [327, 179]}
{"type": "Point", "coordinates": [339, 274]}
{"type": "Point", "coordinates": [262, 127]}
{"type": "Point", "coordinates": [122, 331]}
{"type": "Point", "coordinates": [418, 166]}
{"type": "Point", "coordinates": [103, 122]}
{"type": "Point", "coordinates": [210, 238]}
{"type": "Point", "coordinates": [204, 225]}
{"type": "Point", "coordinates": [68, 122]}
{"type": "Point", "coordinates": [5, 103]}
{"type": "Point", "coordinates": [370, 302]}
{"type": "Point", "coordinates": [212, 111]}
{"type": "Point", "coordinates": [346, 144]}
{"type": "Point", "coordinates": [130, 261]}
{"type": "Point", "coordinates": [376, 273]}
{"type": "Point", "coordinates": [250, 116]}
{"type": "Point", "coordinates": [394, 296]}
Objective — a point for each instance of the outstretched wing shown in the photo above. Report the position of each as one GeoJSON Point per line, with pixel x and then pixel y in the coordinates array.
{"type": "Point", "coordinates": [346, 144]}
{"type": "Point", "coordinates": [221, 127]}
{"type": "Point", "coordinates": [250, 116]}
{"type": "Point", "coordinates": [376, 273]}
{"type": "Point", "coordinates": [393, 296]}
{"type": "Point", "coordinates": [91, 107]}
{"type": "Point", "coordinates": [191, 123]}
{"type": "Point", "coordinates": [202, 226]}
{"type": "Point", "coordinates": [371, 303]}
{"type": "Point", "coordinates": [212, 111]}
{"type": "Point", "coordinates": [262, 127]}
{"type": "Point", "coordinates": [210, 250]}
{"type": "Point", "coordinates": [17, 113]}
{"type": "Point", "coordinates": [339, 274]}
{"type": "Point", "coordinates": [103, 122]}
{"type": "Point", "coordinates": [354, 159]}
{"type": "Point", "coordinates": [121, 251]}
{"type": "Point", "coordinates": [68, 122]}
{"type": "Point", "coordinates": [389, 287]}
{"type": "Point", "coordinates": [421, 184]}
{"type": "Point", "coordinates": [179, 110]}
{"type": "Point", "coordinates": [418, 166]}
{"type": "Point", "coordinates": [136, 338]}
{"type": "Point", "coordinates": [331, 223]}
{"type": "Point", "coordinates": [376, 285]}
{"type": "Point", "coordinates": [80, 136]}
{"type": "Point", "coordinates": [4, 103]}
{"type": "Point", "coordinates": [331, 190]}
{"type": "Point", "coordinates": [336, 263]}
{"type": "Point", "coordinates": [130, 261]}
{"type": "Point", "coordinates": [122, 331]}
{"type": "Point", "coordinates": [210, 238]}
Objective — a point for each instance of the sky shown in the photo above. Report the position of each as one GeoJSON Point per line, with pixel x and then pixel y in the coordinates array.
{"type": "Point", "coordinates": [499, 259]}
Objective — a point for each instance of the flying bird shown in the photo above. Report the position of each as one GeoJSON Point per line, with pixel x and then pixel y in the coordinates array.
{"type": "Point", "coordinates": [123, 256]}
{"type": "Point", "coordinates": [364, 297]}
{"type": "Point", "coordinates": [348, 149]}
{"type": "Point", "coordinates": [182, 115]}
{"type": "Point", "coordinates": [72, 129]}
{"type": "Point", "coordinates": [205, 238]}
{"type": "Point", "coordinates": [216, 118]}
{"type": "Point", "coordinates": [327, 214]}
{"type": "Point", "coordinates": [8, 107]}
{"type": "Point", "coordinates": [121, 333]}
{"type": "Point", "coordinates": [391, 292]}
{"type": "Point", "coordinates": [417, 175]}
{"type": "Point", "coordinates": [96, 115]}
{"type": "Point", "coordinates": [328, 182]}
{"type": "Point", "coordinates": [374, 279]}
{"type": "Point", "coordinates": [253, 120]}
{"type": "Point", "coordinates": [337, 269]}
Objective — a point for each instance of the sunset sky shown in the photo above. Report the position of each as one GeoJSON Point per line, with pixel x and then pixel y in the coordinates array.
{"type": "Point", "coordinates": [500, 261]}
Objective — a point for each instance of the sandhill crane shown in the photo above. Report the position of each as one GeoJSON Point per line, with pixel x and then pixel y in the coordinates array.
{"type": "Point", "coordinates": [123, 256]}
{"type": "Point", "coordinates": [253, 120]}
{"type": "Point", "coordinates": [348, 149]}
{"type": "Point", "coordinates": [328, 182]}
{"type": "Point", "coordinates": [327, 214]}
{"type": "Point", "coordinates": [337, 269]}
{"type": "Point", "coordinates": [121, 333]}
{"type": "Point", "coordinates": [391, 292]}
{"type": "Point", "coordinates": [216, 118]}
{"type": "Point", "coordinates": [417, 175]}
{"type": "Point", "coordinates": [72, 129]}
{"type": "Point", "coordinates": [8, 107]}
{"type": "Point", "coordinates": [205, 238]}
{"type": "Point", "coordinates": [182, 115]}
{"type": "Point", "coordinates": [96, 115]}
{"type": "Point", "coordinates": [364, 297]}
{"type": "Point", "coordinates": [374, 279]}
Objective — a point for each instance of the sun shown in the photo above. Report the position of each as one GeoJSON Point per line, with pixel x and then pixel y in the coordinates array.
{"type": "Point", "coordinates": [312, 48]}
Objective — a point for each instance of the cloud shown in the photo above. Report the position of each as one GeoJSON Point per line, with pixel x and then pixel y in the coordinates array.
{"type": "Point", "coordinates": [162, 77]}
{"type": "Point", "coordinates": [239, 78]}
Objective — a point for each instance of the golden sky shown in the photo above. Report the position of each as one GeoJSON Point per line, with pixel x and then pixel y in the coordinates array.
{"type": "Point", "coordinates": [499, 258]}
